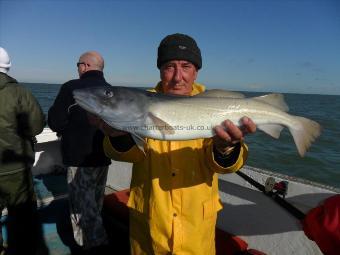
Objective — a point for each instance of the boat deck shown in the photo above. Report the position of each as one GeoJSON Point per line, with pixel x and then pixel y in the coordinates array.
{"type": "Point", "coordinates": [53, 212]}
{"type": "Point", "coordinates": [247, 212]}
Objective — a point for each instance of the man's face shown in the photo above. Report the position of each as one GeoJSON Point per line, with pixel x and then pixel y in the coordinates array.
{"type": "Point", "coordinates": [177, 77]}
{"type": "Point", "coordinates": [83, 66]}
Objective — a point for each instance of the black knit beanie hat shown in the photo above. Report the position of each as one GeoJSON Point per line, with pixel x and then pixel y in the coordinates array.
{"type": "Point", "coordinates": [179, 47]}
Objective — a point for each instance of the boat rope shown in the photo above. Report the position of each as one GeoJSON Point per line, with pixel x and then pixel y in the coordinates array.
{"type": "Point", "coordinates": [281, 201]}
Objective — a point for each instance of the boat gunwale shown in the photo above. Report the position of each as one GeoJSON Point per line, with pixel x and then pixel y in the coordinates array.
{"type": "Point", "coordinates": [292, 178]}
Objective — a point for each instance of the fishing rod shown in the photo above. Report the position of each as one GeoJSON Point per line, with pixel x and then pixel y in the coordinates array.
{"type": "Point", "coordinates": [268, 191]}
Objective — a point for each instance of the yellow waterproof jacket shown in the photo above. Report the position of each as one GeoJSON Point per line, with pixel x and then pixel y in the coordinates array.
{"type": "Point", "coordinates": [174, 194]}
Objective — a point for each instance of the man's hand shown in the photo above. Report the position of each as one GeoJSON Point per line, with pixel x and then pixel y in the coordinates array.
{"type": "Point", "coordinates": [228, 134]}
{"type": "Point", "coordinates": [105, 128]}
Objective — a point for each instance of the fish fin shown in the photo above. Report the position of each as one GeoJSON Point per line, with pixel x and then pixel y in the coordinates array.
{"type": "Point", "coordinates": [275, 99]}
{"type": "Point", "coordinates": [273, 130]}
{"type": "Point", "coordinates": [305, 133]}
{"type": "Point", "coordinates": [220, 93]}
{"type": "Point", "coordinates": [161, 125]}
{"type": "Point", "coordinates": [140, 142]}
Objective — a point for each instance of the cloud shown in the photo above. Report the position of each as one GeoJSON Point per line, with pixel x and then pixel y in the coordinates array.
{"type": "Point", "coordinates": [317, 69]}
{"type": "Point", "coordinates": [251, 60]}
{"type": "Point", "coordinates": [306, 64]}
{"type": "Point", "coordinates": [256, 86]}
{"type": "Point", "coordinates": [311, 66]}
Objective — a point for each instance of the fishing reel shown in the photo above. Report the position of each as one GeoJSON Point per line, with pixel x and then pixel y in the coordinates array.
{"type": "Point", "coordinates": [279, 188]}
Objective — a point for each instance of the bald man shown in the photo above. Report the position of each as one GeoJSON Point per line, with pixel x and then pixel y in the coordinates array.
{"type": "Point", "coordinates": [83, 155]}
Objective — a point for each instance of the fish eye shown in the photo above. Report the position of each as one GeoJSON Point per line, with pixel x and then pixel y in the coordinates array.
{"type": "Point", "coordinates": [108, 93]}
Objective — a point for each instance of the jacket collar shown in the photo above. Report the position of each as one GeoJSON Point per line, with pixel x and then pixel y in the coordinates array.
{"type": "Point", "coordinates": [196, 88]}
{"type": "Point", "coordinates": [5, 79]}
{"type": "Point", "coordinates": [92, 73]}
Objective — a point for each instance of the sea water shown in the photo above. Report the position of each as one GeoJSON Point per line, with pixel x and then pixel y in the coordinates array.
{"type": "Point", "coordinates": [321, 163]}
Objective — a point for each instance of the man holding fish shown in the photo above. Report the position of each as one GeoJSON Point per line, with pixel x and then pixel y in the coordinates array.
{"type": "Point", "coordinates": [174, 196]}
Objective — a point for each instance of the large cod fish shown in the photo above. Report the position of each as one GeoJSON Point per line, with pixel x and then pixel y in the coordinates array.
{"type": "Point", "coordinates": [168, 117]}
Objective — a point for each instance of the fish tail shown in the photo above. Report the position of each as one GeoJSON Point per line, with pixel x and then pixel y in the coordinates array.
{"type": "Point", "coordinates": [304, 133]}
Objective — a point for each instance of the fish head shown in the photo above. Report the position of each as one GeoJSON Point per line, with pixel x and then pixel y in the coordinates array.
{"type": "Point", "coordinates": [119, 107]}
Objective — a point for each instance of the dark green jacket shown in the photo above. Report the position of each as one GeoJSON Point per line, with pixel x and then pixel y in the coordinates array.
{"type": "Point", "coordinates": [21, 119]}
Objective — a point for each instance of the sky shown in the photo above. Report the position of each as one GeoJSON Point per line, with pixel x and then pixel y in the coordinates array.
{"type": "Point", "coordinates": [260, 45]}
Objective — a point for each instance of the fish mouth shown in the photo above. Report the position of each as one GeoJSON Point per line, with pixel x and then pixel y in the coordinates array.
{"type": "Point", "coordinates": [84, 101]}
